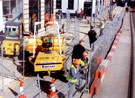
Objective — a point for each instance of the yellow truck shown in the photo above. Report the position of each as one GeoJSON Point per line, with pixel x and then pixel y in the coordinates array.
{"type": "Point", "coordinates": [47, 53]}
{"type": "Point", "coordinates": [12, 41]}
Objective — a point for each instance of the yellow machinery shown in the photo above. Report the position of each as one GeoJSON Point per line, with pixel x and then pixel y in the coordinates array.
{"type": "Point", "coordinates": [12, 41]}
{"type": "Point", "coordinates": [48, 53]}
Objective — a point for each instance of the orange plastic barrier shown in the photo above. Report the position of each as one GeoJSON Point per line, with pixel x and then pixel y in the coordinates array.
{"type": "Point", "coordinates": [99, 59]}
{"type": "Point", "coordinates": [99, 72]}
{"type": "Point", "coordinates": [103, 67]}
{"type": "Point", "coordinates": [94, 87]}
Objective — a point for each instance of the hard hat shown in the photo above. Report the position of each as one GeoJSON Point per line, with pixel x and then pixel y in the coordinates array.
{"type": "Point", "coordinates": [76, 61]}
{"type": "Point", "coordinates": [85, 53]}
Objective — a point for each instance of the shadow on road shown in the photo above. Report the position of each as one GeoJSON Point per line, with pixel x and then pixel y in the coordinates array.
{"type": "Point", "coordinates": [14, 92]}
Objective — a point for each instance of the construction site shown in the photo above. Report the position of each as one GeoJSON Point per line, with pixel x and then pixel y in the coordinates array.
{"type": "Point", "coordinates": [37, 39]}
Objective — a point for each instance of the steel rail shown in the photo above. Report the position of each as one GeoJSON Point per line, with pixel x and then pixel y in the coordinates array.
{"type": "Point", "coordinates": [131, 70]}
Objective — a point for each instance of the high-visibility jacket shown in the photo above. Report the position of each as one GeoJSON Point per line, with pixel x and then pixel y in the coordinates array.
{"type": "Point", "coordinates": [85, 62]}
{"type": "Point", "coordinates": [69, 77]}
{"type": "Point", "coordinates": [102, 25]}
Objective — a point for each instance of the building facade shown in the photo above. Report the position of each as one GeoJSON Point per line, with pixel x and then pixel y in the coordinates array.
{"type": "Point", "coordinates": [69, 5]}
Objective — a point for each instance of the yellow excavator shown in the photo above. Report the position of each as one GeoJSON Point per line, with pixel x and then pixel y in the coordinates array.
{"type": "Point", "coordinates": [13, 38]}
{"type": "Point", "coordinates": [47, 52]}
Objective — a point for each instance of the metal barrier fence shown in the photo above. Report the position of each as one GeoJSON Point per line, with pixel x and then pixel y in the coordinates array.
{"type": "Point", "coordinates": [101, 46]}
{"type": "Point", "coordinates": [1, 67]}
{"type": "Point", "coordinates": [29, 85]}
{"type": "Point", "coordinates": [75, 40]}
{"type": "Point", "coordinates": [77, 30]}
{"type": "Point", "coordinates": [103, 43]}
{"type": "Point", "coordinates": [5, 72]}
{"type": "Point", "coordinates": [67, 21]}
{"type": "Point", "coordinates": [65, 88]}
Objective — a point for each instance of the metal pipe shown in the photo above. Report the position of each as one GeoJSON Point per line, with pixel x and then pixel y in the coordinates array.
{"type": "Point", "coordinates": [34, 40]}
{"type": "Point", "coordinates": [39, 89]}
{"type": "Point", "coordinates": [23, 57]}
{"type": "Point", "coordinates": [57, 35]}
{"type": "Point", "coordinates": [36, 23]}
{"type": "Point", "coordinates": [93, 11]}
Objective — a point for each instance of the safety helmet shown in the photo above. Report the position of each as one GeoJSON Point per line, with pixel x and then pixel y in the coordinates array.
{"type": "Point", "coordinates": [76, 61]}
{"type": "Point", "coordinates": [85, 54]}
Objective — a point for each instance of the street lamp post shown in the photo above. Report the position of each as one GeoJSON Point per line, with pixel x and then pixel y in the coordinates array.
{"type": "Point", "coordinates": [93, 11]}
{"type": "Point", "coordinates": [1, 16]}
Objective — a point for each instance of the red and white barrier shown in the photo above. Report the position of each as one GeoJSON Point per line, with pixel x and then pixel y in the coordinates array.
{"type": "Point", "coordinates": [103, 67]}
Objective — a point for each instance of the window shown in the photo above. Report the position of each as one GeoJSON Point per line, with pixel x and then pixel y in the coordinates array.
{"type": "Point", "coordinates": [8, 6]}
{"type": "Point", "coordinates": [70, 4]}
{"type": "Point", "coordinates": [58, 4]}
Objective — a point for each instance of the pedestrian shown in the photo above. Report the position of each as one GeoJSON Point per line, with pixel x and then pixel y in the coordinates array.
{"type": "Point", "coordinates": [92, 36]}
{"type": "Point", "coordinates": [78, 50]}
{"type": "Point", "coordinates": [76, 13]}
{"type": "Point", "coordinates": [85, 14]}
{"type": "Point", "coordinates": [101, 27]}
{"type": "Point", "coordinates": [82, 13]}
{"type": "Point", "coordinates": [60, 13]}
{"type": "Point", "coordinates": [73, 76]}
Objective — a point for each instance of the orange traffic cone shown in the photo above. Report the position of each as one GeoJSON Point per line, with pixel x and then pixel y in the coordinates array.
{"type": "Point", "coordinates": [21, 89]}
{"type": "Point", "coordinates": [53, 91]}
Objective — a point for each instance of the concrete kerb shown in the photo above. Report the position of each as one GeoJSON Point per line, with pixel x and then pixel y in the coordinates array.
{"type": "Point", "coordinates": [103, 67]}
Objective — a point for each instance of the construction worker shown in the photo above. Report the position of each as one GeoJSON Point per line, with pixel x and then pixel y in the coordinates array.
{"type": "Point", "coordinates": [101, 27]}
{"type": "Point", "coordinates": [73, 76]}
{"type": "Point", "coordinates": [85, 62]}
{"type": "Point", "coordinates": [82, 13]}
{"type": "Point", "coordinates": [78, 50]}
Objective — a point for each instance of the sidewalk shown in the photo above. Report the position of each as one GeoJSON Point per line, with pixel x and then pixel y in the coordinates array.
{"type": "Point", "coordinates": [115, 84]}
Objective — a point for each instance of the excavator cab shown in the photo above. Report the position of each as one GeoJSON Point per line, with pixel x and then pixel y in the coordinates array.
{"type": "Point", "coordinates": [12, 41]}
{"type": "Point", "coordinates": [12, 30]}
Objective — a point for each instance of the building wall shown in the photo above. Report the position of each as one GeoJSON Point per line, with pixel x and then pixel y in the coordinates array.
{"type": "Point", "coordinates": [15, 10]}
{"type": "Point", "coordinates": [26, 15]}
{"type": "Point", "coordinates": [64, 6]}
